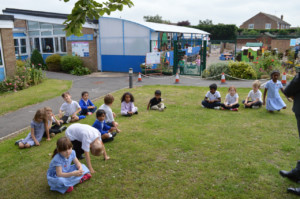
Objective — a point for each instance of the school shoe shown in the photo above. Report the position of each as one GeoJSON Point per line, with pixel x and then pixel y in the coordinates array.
{"type": "Point", "coordinates": [161, 109]}
{"type": "Point", "coordinates": [68, 120]}
{"type": "Point", "coordinates": [85, 177]}
{"type": "Point", "coordinates": [62, 128]}
{"type": "Point", "coordinates": [294, 191]}
{"type": "Point", "coordinates": [222, 108]}
{"type": "Point", "coordinates": [18, 141]}
{"type": "Point", "coordinates": [136, 113]}
{"type": "Point", "coordinates": [217, 108]}
{"type": "Point", "coordinates": [108, 140]}
{"type": "Point", "coordinates": [255, 107]}
{"type": "Point", "coordinates": [81, 117]}
{"type": "Point", "coordinates": [80, 157]}
{"type": "Point", "coordinates": [70, 189]}
{"type": "Point", "coordinates": [203, 106]}
{"type": "Point", "coordinates": [114, 134]}
{"type": "Point", "coordinates": [234, 109]}
{"type": "Point", "coordinates": [89, 113]}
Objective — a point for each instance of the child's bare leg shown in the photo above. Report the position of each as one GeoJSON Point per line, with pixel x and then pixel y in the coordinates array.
{"type": "Point", "coordinates": [27, 145]}
{"type": "Point", "coordinates": [155, 107]}
{"type": "Point", "coordinates": [75, 118]}
{"type": "Point", "coordinates": [21, 145]}
{"type": "Point", "coordinates": [115, 124]}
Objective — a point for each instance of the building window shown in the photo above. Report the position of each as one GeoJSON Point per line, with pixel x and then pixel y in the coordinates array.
{"type": "Point", "coordinates": [251, 26]}
{"type": "Point", "coordinates": [268, 26]}
{"type": "Point", "coordinates": [47, 45]}
{"type": "Point", "coordinates": [20, 46]}
{"type": "Point", "coordinates": [63, 47]}
{"type": "Point", "coordinates": [1, 61]}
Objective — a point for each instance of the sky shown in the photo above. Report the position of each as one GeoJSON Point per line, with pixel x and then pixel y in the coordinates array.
{"type": "Point", "coordinates": [219, 11]}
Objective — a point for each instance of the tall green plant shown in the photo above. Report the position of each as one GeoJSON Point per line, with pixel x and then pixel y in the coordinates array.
{"type": "Point", "coordinates": [37, 59]}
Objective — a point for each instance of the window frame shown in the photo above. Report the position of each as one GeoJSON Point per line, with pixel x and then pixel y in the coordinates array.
{"type": "Point", "coordinates": [20, 46]}
{"type": "Point", "coordinates": [269, 26]}
{"type": "Point", "coordinates": [250, 25]}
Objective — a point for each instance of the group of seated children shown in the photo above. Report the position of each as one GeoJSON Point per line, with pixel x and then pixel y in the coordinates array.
{"type": "Point", "coordinates": [254, 99]}
{"type": "Point", "coordinates": [80, 139]}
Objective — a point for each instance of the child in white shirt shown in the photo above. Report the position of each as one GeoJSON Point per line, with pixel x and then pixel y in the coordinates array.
{"type": "Point", "coordinates": [231, 100]}
{"type": "Point", "coordinates": [212, 98]}
{"type": "Point", "coordinates": [69, 109]}
{"type": "Point", "coordinates": [255, 96]}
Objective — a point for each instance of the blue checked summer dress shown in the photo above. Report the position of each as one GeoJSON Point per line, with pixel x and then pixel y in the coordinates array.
{"type": "Point", "coordinates": [274, 101]}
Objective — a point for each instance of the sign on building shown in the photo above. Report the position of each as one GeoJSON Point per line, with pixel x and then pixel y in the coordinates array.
{"type": "Point", "coordinates": [80, 49]}
{"type": "Point", "coordinates": [153, 58]}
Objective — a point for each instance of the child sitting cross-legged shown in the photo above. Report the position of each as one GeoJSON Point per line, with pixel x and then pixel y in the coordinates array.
{"type": "Point", "coordinates": [231, 100]}
{"type": "Point", "coordinates": [106, 131]}
{"type": "Point", "coordinates": [254, 97]}
{"type": "Point", "coordinates": [127, 105]}
{"type": "Point", "coordinates": [212, 98]}
{"type": "Point", "coordinates": [109, 115]}
{"type": "Point", "coordinates": [87, 106]}
{"type": "Point", "coordinates": [156, 102]}
{"type": "Point", "coordinates": [62, 175]}
{"type": "Point", "coordinates": [70, 108]}
{"type": "Point", "coordinates": [55, 126]}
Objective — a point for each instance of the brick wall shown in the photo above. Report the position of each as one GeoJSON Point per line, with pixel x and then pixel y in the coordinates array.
{"type": "Point", "coordinates": [8, 51]}
{"type": "Point", "coordinates": [259, 22]}
{"type": "Point", "coordinates": [18, 23]}
{"type": "Point", "coordinates": [91, 61]}
{"type": "Point", "coordinates": [281, 44]}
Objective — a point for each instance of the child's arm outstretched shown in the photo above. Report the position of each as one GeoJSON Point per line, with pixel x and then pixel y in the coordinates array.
{"type": "Point", "coordinates": [59, 172]}
{"type": "Point", "coordinates": [265, 93]}
{"type": "Point", "coordinates": [289, 99]}
{"type": "Point", "coordinates": [88, 161]}
{"type": "Point", "coordinates": [56, 121]}
{"type": "Point", "coordinates": [106, 157]}
{"type": "Point", "coordinates": [148, 106]}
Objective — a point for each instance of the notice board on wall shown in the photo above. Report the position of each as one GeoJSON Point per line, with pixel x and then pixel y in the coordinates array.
{"type": "Point", "coordinates": [153, 58]}
{"type": "Point", "coordinates": [80, 49]}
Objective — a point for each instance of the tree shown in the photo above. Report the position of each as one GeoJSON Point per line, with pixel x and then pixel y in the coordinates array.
{"type": "Point", "coordinates": [93, 10]}
{"type": "Point", "coordinates": [205, 22]}
{"type": "Point", "coordinates": [155, 19]}
{"type": "Point", "coordinates": [183, 23]}
{"type": "Point", "coordinates": [220, 31]}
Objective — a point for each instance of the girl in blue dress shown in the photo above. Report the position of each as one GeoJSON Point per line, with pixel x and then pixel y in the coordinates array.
{"type": "Point", "coordinates": [61, 175]}
{"type": "Point", "coordinates": [38, 128]}
{"type": "Point", "coordinates": [274, 101]}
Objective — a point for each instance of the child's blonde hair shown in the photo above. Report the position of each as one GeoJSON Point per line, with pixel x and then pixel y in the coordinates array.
{"type": "Point", "coordinates": [47, 108]}
{"type": "Point", "coordinates": [256, 83]}
{"type": "Point", "coordinates": [97, 148]}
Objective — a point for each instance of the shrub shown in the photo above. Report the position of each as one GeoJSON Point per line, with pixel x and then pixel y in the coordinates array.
{"type": "Point", "coordinates": [54, 62]}
{"type": "Point", "coordinates": [70, 62]}
{"type": "Point", "coordinates": [20, 63]}
{"type": "Point", "coordinates": [80, 71]}
{"type": "Point", "coordinates": [268, 63]}
{"type": "Point", "coordinates": [215, 70]}
{"type": "Point", "coordinates": [241, 70]}
{"type": "Point", "coordinates": [37, 59]}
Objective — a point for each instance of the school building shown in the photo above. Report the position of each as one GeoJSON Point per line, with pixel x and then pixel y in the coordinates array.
{"type": "Point", "coordinates": [107, 44]}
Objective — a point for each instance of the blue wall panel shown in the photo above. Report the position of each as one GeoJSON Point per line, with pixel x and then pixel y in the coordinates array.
{"type": "Point", "coordinates": [23, 57]}
{"type": "Point", "coordinates": [122, 63]}
{"type": "Point", "coordinates": [2, 75]}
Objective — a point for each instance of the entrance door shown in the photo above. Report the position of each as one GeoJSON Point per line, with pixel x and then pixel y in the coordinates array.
{"type": "Point", "coordinates": [2, 68]}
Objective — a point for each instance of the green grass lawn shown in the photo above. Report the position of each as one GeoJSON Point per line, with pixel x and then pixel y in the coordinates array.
{"type": "Point", "coordinates": [184, 152]}
{"type": "Point", "coordinates": [50, 88]}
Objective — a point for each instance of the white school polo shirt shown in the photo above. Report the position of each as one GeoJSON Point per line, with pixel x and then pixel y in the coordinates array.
{"type": "Point", "coordinates": [214, 96]}
{"type": "Point", "coordinates": [108, 113]}
{"type": "Point", "coordinates": [255, 96]}
{"type": "Point", "coordinates": [83, 133]}
{"type": "Point", "coordinates": [231, 99]}
{"type": "Point", "coordinates": [69, 109]}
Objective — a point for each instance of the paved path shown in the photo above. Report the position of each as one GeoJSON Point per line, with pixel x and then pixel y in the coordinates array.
{"type": "Point", "coordinates": [97, 84]}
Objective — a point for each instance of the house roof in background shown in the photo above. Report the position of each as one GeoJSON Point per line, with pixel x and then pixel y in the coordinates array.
{"type": "Point", "coordinates": [273, 17]}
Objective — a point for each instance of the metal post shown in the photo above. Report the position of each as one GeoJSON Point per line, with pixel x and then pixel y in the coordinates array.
{"type": "Point", "coordinates": [130, 77]}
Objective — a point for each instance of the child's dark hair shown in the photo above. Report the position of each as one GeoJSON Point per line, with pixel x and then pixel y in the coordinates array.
{"type": "Point", "coordinates": [100, 112]}
{"type": "Point", "coordinates": [274, 72]}
{"type": "Point", "coordinates": [108, 99]}
{"type": "Point", "coordinates": [83, 93]}
{"type": "Point", "coordinates": [157, 92]}
{"type": "Point", "coordinates": [64, 94]}
{"type": "Point", "coordinates": [40, 113]}
{"type": "Point", "coordinates": [124, 95]}
{"type": "Point", "coordinates": [62, 144]}
{"type": "Point", "coordinates": [213, 86]}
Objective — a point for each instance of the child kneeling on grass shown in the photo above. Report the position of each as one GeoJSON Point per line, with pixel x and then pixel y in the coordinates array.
{"type": "Point", "coordinates": [254, 97]}
{"type": "Point", "coordinates": [57, 126]}
{"type": "Point", "coordinates": [106, 131]}
{"type": "Point", "coordinates": [212, 98]}
{"type": "Point", "coordinates": [127, 105]}
{"type": "Point", "coordinates": [38, 127]}
{"type": "Point", "coordinates": [62, 175]}
{"type": "Point", "coordinates": [109, 115]}
{"type": "Point", "coordinates": [231, 100]}
{"type": "Point", "coordinates": [87, 106]}
{"type": "Point", "coordinates": [84, 139]}
{"type": "Point", "coordinates": [70, 108]}
{"type": "Point", "coordinates": [156, 102]}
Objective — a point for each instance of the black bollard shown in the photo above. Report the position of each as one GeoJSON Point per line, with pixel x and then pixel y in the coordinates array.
{"type": "Point", "coordinates": [130, 77]}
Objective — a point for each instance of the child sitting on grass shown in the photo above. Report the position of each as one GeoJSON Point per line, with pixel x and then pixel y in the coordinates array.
{"type": "Point", "coordinates": [212, 98]}
{"type": "Point", "coordinates": [127, 106]}
{"type": "Point", "coordinates": [254, 97]}
{"type": "Point", "coordinates": [57, 126]}
{"type": "Point", "coordinates": [156, 102]}
{"type": "Point", "coordinates": [62, 175]}
{"type": "Point", "coordinates": [38, 127]}
{"type": "Point", "coordinates": [70, 108]}
{"type": "Point", "coordinates": [274, 101]}
{"type": "Point", "coordinates": [87, 106]}
{"type": "Point", "coordinates": [231, 100]}
{"type": "Point", "coordinates": [106, 131]}
{"type": "Point", "coordinates": [109, 115]}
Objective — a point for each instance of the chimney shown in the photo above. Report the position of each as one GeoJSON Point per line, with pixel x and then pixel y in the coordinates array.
{"type": "Point", "coordinates": [281, 17]}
